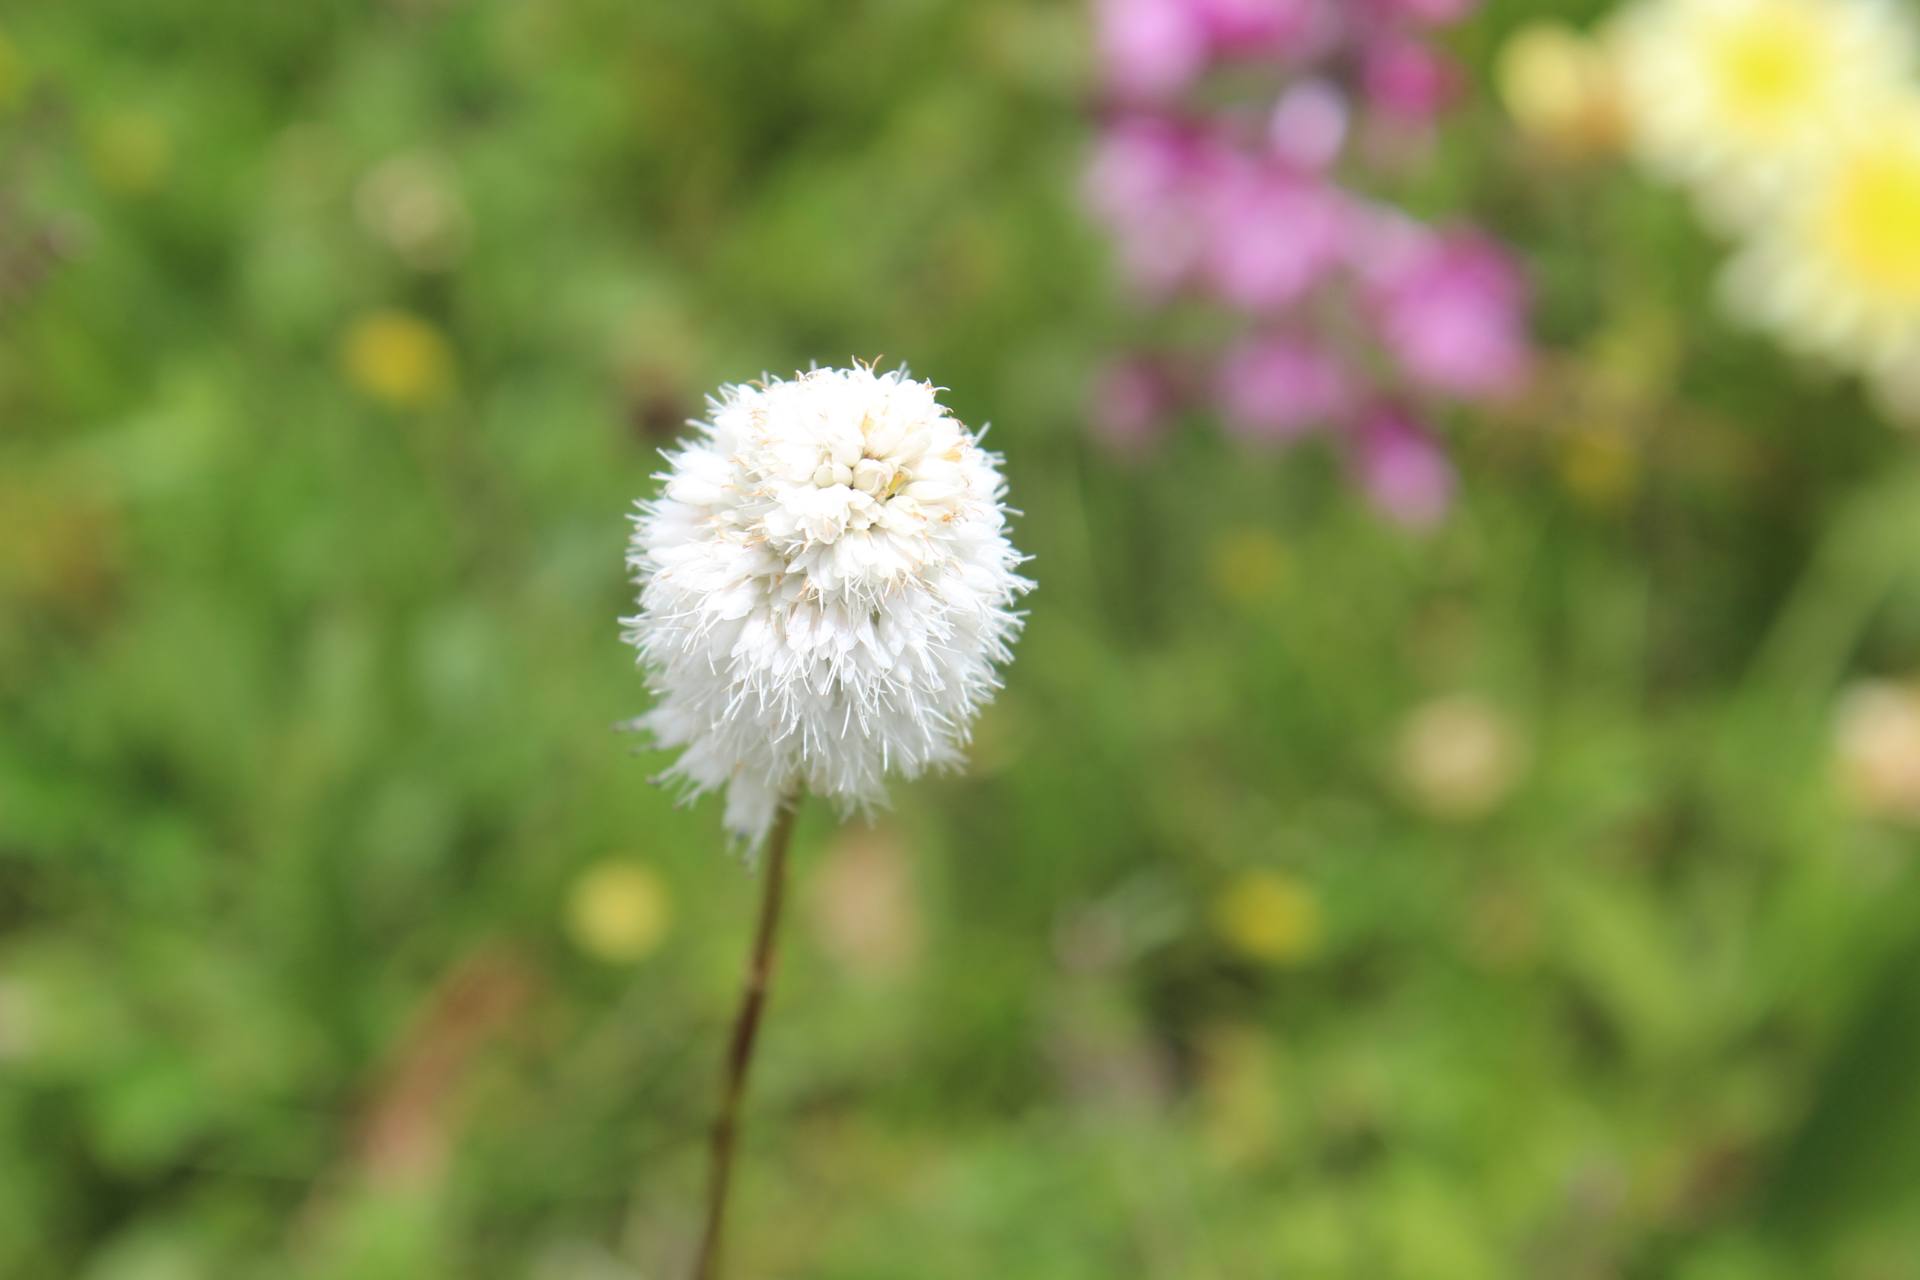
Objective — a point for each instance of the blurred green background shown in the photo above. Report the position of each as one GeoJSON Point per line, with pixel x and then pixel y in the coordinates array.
{"type": "Point", "coordinates": [1322, 900]}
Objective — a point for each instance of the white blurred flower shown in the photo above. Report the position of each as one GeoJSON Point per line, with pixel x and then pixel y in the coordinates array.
{"type": "Point", "coordinates": [1836, 273]}
{"type": "Point", "coordinates": [826, 586]}
{"type": "Point", "coordinates": [1877, 749]}
{"type": "Point", "coordinates": [411, 203]}
{"type": "Point", "coordinates": [1459, 756]}
{"type": "Point", "coordinates": [1731, 96]}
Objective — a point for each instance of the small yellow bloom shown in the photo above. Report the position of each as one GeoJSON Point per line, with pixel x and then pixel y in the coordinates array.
{"type": "Point", "coordinates": [398, 359]}
{"type": "Point", "coordinates": [1247, 565]}
{"type": "Point", "coordinates": [131, 152]}
{"type": "Point", "coordinates": [1559, 87]}
{"type": "Point", "coordinates": [619, 911]}
{"type": "Point", "coordinates": [1269, 916]}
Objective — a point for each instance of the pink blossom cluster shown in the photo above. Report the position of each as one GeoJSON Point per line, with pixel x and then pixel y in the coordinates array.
{"type": "Point", "coordinates": [1354, 318]}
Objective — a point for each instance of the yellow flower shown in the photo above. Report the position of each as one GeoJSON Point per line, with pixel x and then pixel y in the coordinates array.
{"type": "Point", "coordinates": [1559, 87]}
{"type": "Point", "coordinates": [398, 359]}
{"type": "Point", "coordinates": [1837, 272]}
{"type": "Point", "coordinates": [1247, 564]}
{"type": "Point", "coordinates": [618, 911]}
{"type": "Point", "coordinates": [1458, 757]}
{"type": "Point", "coordinates": [1734, 95]}
{"type": "Point", "coordinates": [1868, 221]}
{"type": "Point", "coordinates": [1269, 916]}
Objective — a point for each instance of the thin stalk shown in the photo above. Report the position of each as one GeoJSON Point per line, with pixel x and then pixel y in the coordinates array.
{"type": "Point", "coordinates": [746, 1027]}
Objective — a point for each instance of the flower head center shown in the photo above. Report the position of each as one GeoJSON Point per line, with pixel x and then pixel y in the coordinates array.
{"type": "Point", "coordinates": [1871, 221]}
{"type": "Point", "coordinates": [878, 478]}
{"type": "Point", "coordinates": [1766, 68]}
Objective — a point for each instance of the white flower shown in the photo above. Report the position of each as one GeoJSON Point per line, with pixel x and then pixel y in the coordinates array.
{"type": "Point", "coordinates": [1877, 748]}
{"type": "Point", "coordinates": [826, 586]}
{"type": "Point", "coordinates": [1836, 272]}
{"type": "Point", "coordinates": [1732, 96]}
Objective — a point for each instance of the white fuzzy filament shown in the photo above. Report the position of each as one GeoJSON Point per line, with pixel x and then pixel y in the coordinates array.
{"type": "Point", "coordinates": [826, 587]}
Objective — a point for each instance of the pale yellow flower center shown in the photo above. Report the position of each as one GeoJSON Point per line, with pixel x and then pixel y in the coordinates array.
{"type": "Point", "coordinates": [1870, 221]}
{"type": "Point", "coordinates": [1767, 69]}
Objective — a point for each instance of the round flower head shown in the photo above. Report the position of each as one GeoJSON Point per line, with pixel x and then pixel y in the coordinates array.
{"type": "Point", "coordinates": [1837, 273]}
{"type": "Point", "coordinates": [1733, 95]}
{"type": "Point", "coordinates": [825, 588]}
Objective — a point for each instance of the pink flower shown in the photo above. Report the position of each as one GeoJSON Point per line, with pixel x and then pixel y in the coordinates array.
{"type": "Point", "coordinates": [1432, 13]}
{"type": "Point", "coordinates": [1145, 182]}
{"type": "Point", "coordinates": [1451, 311]}
{"type": "Point", "coordinates": [1402, 469]}
{"type": "Point", "coordinates": [1266, 28]}
{"type": "Point", "coordinates": [1150, 49]}
{"type": "Point", "coordinates": [1272, 235]}
{"type": "Point", "coordinates": [1279, 387]}
{"type": "Point", "coordinates": [1138, 163]}
{"type": "Point", "coordinates": [1406, 80]}
{"type": "Point", "coordinates": [1340, 296]}
{"type": "Point", "coordinates": [1132, 401]}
